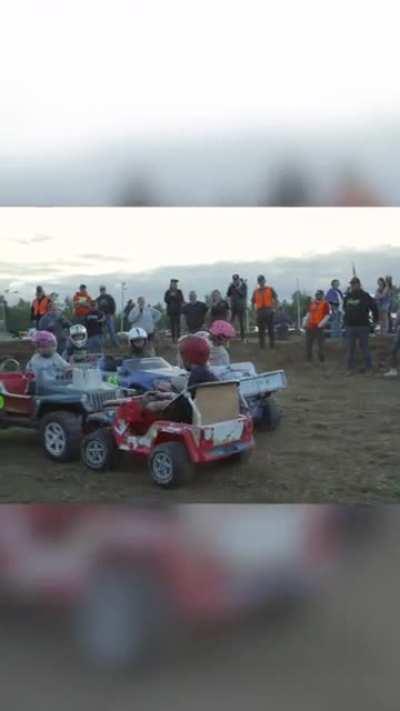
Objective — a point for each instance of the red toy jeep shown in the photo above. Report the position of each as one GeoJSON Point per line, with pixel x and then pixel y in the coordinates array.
{"type": "Point", "coordinates": [215, 429]}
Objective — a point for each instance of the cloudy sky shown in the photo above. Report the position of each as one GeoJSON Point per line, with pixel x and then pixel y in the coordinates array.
{"type": "Point", "coordinates": [51, 244]}
{"type": "Point", "coordinates": [80, 71]}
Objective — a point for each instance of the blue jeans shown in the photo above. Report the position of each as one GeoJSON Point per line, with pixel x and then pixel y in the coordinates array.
{"type": "Point", "coordinates": [336, 322]}
{"type": "Point", "coordinates": [358, 334]}
{"type": "Point", "coordinates": [94, 344]}
{"type": "Point", "coordinates": [110, 327]}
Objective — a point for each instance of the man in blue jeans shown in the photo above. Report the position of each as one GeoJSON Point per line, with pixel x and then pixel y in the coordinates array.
{"type": "Point", "coordinates": [357, 306]}
{"type": "Point", "coordinates": [334, 297]}
{"type": "Point", "coordinates": [106, 304]}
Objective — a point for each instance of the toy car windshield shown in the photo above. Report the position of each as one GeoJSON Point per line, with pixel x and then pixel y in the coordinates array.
{"type": "Point", "coordinates": [133, 364]}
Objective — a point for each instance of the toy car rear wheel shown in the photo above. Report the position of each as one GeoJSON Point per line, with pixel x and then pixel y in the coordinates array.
{"type": "Point", "coordinates": [98, 450]}
{"type": "Point", "coordinates": [60, 434]}
{"type": "Point", "coordinates": [170, 466]}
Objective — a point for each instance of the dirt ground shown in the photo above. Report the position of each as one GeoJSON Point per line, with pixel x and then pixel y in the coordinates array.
{"type": "Point", "coordinates": [338, 442]}
{"type": "Point", "coordinates": [342, 653]}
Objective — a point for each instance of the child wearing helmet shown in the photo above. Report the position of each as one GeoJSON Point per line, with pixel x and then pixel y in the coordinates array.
{"type": "Point", "coordinates": [138, 342]}
{"type": "Point", "coordinates": [46, 362]}
{"type": "Point", "coordinates": [195, 352]}
{"type": "Point", "coordinates": [220, 334]}
{"type": "Point", "coordinates": [76, 350]}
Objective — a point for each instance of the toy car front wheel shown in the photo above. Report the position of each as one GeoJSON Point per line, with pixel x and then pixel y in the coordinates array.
{"type": "Point", "coordinates": [170, 466]}
{"type": "Point", "coordinates": [98, 450]}
{"type": "Point", "coordinates": [60, 434]}
{"type": "Point", "coordinates": [272, 415]}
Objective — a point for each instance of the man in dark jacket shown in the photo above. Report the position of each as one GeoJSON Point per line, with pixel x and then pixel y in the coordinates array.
{"type": "Point", "coordinates": [106, 304]}
{"type": "Point", "coordinates": [195, 313]}
{"type": "Point", "coordinates": [237, 294]}
{"type": "Point", "coordinates": [174, 300]}
{"type": "Point", "coordinates": [94, 325]}
{"type": "Point", "coordinates": [357, 306]}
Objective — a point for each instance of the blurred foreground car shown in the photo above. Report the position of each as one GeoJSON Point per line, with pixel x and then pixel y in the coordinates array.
{"type": "Point", "coordinates": [127, 578]}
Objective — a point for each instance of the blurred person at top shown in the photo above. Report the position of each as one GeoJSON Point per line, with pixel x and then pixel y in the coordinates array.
{"type": "Point", "coordinates": [54, 322]}
{"type": "Point", "coordinates": [383, 298]}
{"type": "Point", "coordinates": [334, 297]}
{"type": "Point", "coordinates": [195, 313]}
{"type": "Point", "coordinates": [174, 300]}
{"type": "Point", "coordinates": [357, 307]}
{"type": "Point", "coordinates": [219, 308]}
{"type": "Point", "coordinates": [40, 306]}
{"type": "Point", "coordinates": [106, 304]}
{"type": "Point", "coordinates": [315, 322]}
{"type": "Point", "coordinates": [237, 294]}
{"type": "Point", "coordinates": [265, 301]}
{"type": "Point", "coordinates": [82, 303]}
{"type": "Point", "coordinates": [145, 317]}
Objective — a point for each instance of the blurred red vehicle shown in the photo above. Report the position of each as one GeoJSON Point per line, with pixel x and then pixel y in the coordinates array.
{"type": "Point", "coordinates": [126, 575]}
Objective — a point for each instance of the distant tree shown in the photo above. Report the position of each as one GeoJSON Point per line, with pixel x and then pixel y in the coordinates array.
{"type": "Point", "coordinates": [18, 317]}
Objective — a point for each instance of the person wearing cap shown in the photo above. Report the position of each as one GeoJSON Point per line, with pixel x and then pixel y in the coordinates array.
{"type": "Point", "coordinates": [174, 300]}
{"type": "Point", "coordinates": [315, 322]}
{"type": "Point", "coordinates": [82, 303]}
{"type": "Point", "coordinates": [237, 295]}
{"type": "Point", "coordinates": [40, 306]}
{"type": "Point", "coordinates": [357, 306]}
{"type": "Point", "coordinates": [106, 304]}
{"type": "Point", "coordinates": [265, 301]}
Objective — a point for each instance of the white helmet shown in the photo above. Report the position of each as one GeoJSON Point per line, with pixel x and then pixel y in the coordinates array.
{"type": "Point", "coordinates": [136, 334]}
{"type": "Point", "coordinates": [78, 335]}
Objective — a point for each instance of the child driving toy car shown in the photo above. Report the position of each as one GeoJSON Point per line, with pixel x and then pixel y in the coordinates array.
{"type": "Point", "coordinates": [220, 333]}
{"type": "Point", "coordinates": [46, 361]}
{"type": "Point", "coordinates": [76, 350]}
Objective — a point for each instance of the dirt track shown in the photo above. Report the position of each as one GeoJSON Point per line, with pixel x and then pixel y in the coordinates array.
{"type": "Point", "coordinates": [338, 441]}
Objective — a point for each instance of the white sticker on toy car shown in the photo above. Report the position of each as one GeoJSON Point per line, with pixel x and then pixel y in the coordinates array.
{"type": "Point", "coordinates": [225, 432]}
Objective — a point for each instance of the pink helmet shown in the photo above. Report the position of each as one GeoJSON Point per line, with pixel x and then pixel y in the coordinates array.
{"type": "Point", "coordinates": [222, 329]}
{"type": "Point", "coordinates": [44, 339]}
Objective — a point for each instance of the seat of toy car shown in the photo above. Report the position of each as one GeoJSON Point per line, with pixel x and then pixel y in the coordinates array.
{"type": "Point", "coordinates": [217, 402]}
{"type": "Point", "coordinates": [16, 383]}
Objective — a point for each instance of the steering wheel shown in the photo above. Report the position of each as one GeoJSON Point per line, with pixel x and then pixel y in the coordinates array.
{"type": "Point", "coordinates": [9, 364]}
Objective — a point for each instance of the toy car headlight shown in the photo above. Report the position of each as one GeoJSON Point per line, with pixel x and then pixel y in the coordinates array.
{"type": "Point", "coordinates": [208, 433]}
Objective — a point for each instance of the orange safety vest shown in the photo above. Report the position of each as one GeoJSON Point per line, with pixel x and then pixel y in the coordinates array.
{"type": "Point", "coordinates": [263, 298]}
{"type": "Point", "coordinates": [82, 304]}
{"type": "Point", "coordinates": [40, 306]}
{"type": "Point", "coordinates": [317, 311]}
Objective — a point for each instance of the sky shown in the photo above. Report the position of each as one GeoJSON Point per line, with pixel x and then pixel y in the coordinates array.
{"type": "Point", "coordinates": [45, 244]}
{"type": "Point", "coordinates": [76, 72]}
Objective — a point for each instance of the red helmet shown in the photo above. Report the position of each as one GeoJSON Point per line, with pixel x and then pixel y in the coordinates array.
{"type": "Point", "coordinates": [194, 350]}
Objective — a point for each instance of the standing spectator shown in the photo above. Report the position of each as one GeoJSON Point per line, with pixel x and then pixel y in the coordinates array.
{"type": "Point", "coordinates": [358, 305]}
{"type": "Point", "coordinates": [82, 304]}
{"type": "Point", "coordinates": [106, 304]}
{"type": "Point", "coordinates": [393, 372]}
{"type": "Point", "coordinates": [334, 298]}
{"type": "Point", "coordinates": [94, 321]}
{"type": "Point", "coordinates": [383, 299]}
{"type": "Point", "coordinates": [146, 317]}
{"type": "Point", "coordinates": [40, 306]}
{"type": "Point", "coordinates": [391, 292]}
{"type": "Point", "coordinates": [125, 316]}
{"type": "Point", "coordinates": [237, 294]}
{"type": "Point", "coordinates": [54, 322]}
{"type": "Point", "coordinates": [195, 313]}
{"type": "Point", "coordinates": [282, 323]}
{"type": "Point", "coordinates": [174, 300]}
{"type": "Point", "coordinates": [219, 307]}
{"type": "Point", "coordinates": [265, 301]}
{"type": "Point", "coordinates": [315, 322]}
